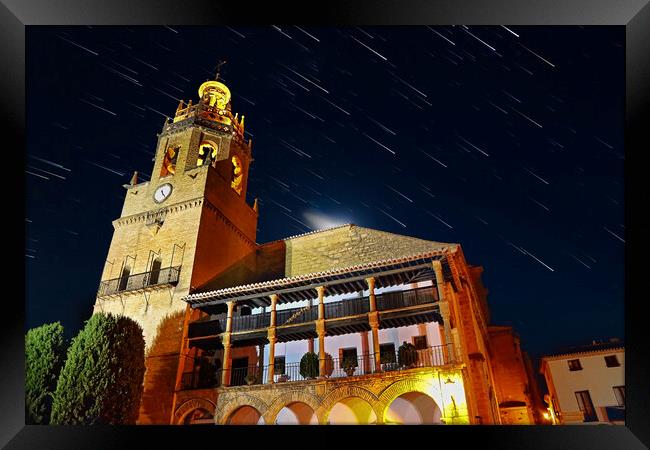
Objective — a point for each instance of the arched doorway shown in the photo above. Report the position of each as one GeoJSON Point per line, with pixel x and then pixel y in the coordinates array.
{"type": "Point", "coordinates": [296, 413]}
{"type": "Point", "coordinates": [352, 411]}
{"type": "Point", "coordinates": [154, 276]}
{"type": "Point", "coordinates": [413, 408]}
{"type": "Point", "coordinates": [199, 416]}
{"type": "Point", "coordinates": [245, 415]}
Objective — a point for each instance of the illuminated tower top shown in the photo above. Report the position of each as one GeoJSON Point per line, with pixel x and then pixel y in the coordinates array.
{"type": "Point", "coordinates": [214, 109]}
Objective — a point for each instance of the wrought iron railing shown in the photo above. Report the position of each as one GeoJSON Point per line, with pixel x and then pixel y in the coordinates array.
{"type": "Point", "coordinates": [195, 380]}
{"type": "Point", "coordinates": [360, 365]}
{"type": "Point", "coordinates": [403, 299]}
{"type": "Point", "coordinates": [168, 275]}
{"type": "Point", "coordinates": [251, 322]}
{"type": "Point", "coordinates": [349, 307]}
{"type": "Point", "coordinates": [296, 315]}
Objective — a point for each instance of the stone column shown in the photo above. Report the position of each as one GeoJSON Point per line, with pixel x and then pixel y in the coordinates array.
{"type": "Point", "coordinates": [444, 312]}
{"type": "Point", "coordinates": [260, 364]}
{"type": "Point", "coordinates": [310, 341]}
{"type": "Point", "coordinates": [271, 337]}
{"type": "Point", "coordinates": [225, 374]}
{"type": "Point", "coordinates": [320, 329]}
{"type": "Point", "coordinates": [373, 319]}
{"type": "Point", "coordinates": [365, 351]}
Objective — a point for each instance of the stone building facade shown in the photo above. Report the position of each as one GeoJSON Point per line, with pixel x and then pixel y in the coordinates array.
{"type": "Point", "coordinates": [396, 327]}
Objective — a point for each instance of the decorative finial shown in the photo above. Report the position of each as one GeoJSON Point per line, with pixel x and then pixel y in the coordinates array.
{"type": "Point", "coordinates": [219, 64]}
{"type": "Point", "coordinates": [134, 178]}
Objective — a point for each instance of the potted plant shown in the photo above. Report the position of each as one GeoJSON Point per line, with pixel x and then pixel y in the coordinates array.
{"type": "Point", "coordinates": [309, 365]}
{"type": "Point", "coordinates": [329, 365]}
{"type": "Point", "coordinates": [407, 355]}
{"type": "Point", "coordinates": [349, 365]}
{"type": "Point", "coordinates": [251, 378]}
{"type": "Point", "coordinates": [387, 360]}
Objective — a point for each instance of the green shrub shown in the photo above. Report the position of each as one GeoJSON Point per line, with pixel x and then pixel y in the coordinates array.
{"type": "Point", "coordinates": [101, 381]}
{"type": "Point", "coordinates": [44, 356]}
{"type": "Point", "coordinates": [309, 365]}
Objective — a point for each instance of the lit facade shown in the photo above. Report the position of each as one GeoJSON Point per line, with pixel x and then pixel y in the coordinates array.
{"type": "Point", "coordinates": [227, 320]}
{"type": "Point", "coordinates": [587, 385]}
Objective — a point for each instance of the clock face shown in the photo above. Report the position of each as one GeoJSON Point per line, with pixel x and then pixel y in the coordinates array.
{"type": "Point", "coordinates": [162, 193]}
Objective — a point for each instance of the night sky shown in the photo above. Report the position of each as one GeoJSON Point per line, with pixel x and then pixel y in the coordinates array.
{"type": "Point", "coordinates": [507, 140]}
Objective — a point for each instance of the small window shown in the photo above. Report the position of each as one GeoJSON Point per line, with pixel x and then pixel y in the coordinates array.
{"type": "Point", "coordinates": [612, 361]}
{"type": "Point", "coordinates": [278, 365]}
{"type": "Point", "coordinates": [619, 392]}
{"type": "Point", "coordinates": [420, 342]}
{"type": "Point", "coordinates": [387, 353]}
{"type": "Point", "coordinates": [574, 364]}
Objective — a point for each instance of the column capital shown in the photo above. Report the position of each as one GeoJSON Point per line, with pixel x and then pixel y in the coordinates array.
{"type": "Point", "coordinates": [231, 305]}
{"type": "Point", "coordinates": [321, 291]}
{"type": "Point", "coordinates": [371, 282]}
{"type": "Point", "coordinates": [274, 299]}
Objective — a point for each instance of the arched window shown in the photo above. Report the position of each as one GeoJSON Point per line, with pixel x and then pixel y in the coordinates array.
{"type": "Point", "coordinates": [207, 153]}
{"type": "Point", "coordinates": [155, 271]}
{"type": "Point", "coordinates": [124, 278]}
{"type": "Point", "coordinates": [169, 161]}
{"type": "Point", "coordinates": [237, 174]}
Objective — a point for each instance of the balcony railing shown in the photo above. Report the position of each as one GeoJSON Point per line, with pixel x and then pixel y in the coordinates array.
{"type": "Point", "coordinates": [334, 368]}
{"type": "Point", "coordinates": [403, 299]}
{"type": "Point", "coordinates": [333, 310]}
{"type": "Point", "coordinates": [168, 275]}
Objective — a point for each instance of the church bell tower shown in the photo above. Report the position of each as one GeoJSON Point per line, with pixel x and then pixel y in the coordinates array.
{"type": "Point", "coordinates": [179, 229]}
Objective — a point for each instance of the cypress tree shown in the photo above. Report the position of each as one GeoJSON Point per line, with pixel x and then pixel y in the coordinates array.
{"type": "Point", "coordinates": [44, 356]}
{"type": "Point", "coordinates": [101, 381]}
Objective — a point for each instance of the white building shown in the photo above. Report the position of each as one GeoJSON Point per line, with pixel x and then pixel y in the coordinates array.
{"type": "Point", "coordinates": [587, 384]}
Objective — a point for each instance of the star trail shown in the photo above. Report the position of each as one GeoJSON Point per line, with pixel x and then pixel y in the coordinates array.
{"type": "Point", "coordinates": [505, 139]}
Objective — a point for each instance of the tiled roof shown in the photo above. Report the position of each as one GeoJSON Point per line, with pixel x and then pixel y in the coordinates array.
{"type": "Point", "coordinates": [315, 275]}
{"type": "Point", "coordinates": [586, 349]}
{"type": "Point", "coordinates": [318, 254]}
{"type": "Point", "coordinates": [309, 233]}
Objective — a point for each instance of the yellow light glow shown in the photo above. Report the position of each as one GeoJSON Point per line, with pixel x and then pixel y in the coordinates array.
{"type": "Point", "coordinates": [451, 395]}
{"type": "Point", "coordinates": [206, 150]}
{"type": "Point", "coordinates": [218, 93]}
{"type": "Point", "coordinates": [547, 416]}
{"type": "Point", "coordinates": [237, 174]}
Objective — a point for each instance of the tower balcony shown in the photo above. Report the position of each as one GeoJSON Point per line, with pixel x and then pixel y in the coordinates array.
{"type": "Point", "coordinates": [154, 279]}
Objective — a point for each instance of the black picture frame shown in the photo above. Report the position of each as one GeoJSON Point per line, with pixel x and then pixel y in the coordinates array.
{"type": "Point", "coordinates": [634, 15]}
